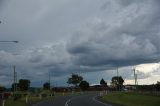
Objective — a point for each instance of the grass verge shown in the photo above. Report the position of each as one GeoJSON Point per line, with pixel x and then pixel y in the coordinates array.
{"type": "Point", "coordinates": [131, 99]}
{"type": "Point", "coordinates": [22, 101]}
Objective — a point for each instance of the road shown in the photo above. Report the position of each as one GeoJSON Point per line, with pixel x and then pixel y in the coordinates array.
{"type": "Point", "coordinates": [79, 100]}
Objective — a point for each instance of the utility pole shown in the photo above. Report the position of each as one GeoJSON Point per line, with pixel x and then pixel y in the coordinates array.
{"type": "Point", "coordinates": [3, 102]}
{"type": "Point", "coordinates": [118, 78]}
{"type": "Point", "coordinates": [49, 80]}
{"type": "Point", "coordinates": [134, 70]}
{"type": "Point", "coordinates": [135, 77]}
{"type": "Point", "coordinates": [136, 80]}
{"type": "Point", "coordinates": [14, 79]}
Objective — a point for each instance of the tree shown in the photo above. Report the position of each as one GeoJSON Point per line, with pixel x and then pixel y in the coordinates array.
{"type": "Point", "coordinates": [103, 83]}
{"type": "Point", "coordinates": [2, 88]}
{"type": "Point", "coordinates": [46, 85]}
{"type": "Point", "coordinates": [15, 86]}
{"type": "Point", "coordinates": [75, 79]}
{"type": "Point", "coordinates": [158, 86]}
{"type": "Point", "coordinates": [118, 82]}
{"type": "Point", "coordinates": [84, 85]}
{"type": "Point", "coordinates": [24, 84]}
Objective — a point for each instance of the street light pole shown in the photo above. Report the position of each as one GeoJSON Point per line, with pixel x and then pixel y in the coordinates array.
{"type": "Point", "coordinates": [14, 66]}
{"type": "Point", "coordinates": [11, 41]}
{"type": "Point", "coordinates": [3, 103]}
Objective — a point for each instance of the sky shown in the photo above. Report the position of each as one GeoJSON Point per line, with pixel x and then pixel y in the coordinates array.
{"type": "Point", "coordinates": [87, 37]}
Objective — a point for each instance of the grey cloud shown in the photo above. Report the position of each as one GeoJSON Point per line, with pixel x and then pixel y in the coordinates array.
{"type": "Point", "coordinates": [128, 2]}
{"type": "Point", "coordinates": [126, 42]}
{"type": "Point", "coordinates": [35, 23]}
{"type": "Point", "coordinates": [32, 63]}
{"type": "Point", "coordinates": [106, 34]}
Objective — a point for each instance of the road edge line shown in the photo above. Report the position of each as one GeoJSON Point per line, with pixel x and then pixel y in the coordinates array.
{"type": "Point", "coordinates": [94, 99]}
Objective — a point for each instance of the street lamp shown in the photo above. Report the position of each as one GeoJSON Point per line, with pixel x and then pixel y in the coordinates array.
{"type": "Point", "coordinates": [11, 41]}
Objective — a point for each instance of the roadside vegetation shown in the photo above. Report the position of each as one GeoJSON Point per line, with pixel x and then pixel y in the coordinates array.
{"type": "Point", "coordinates": [21, 101]}
{"type": "Point", "coordinates": [131, 99]}
{"type": "Point", "coordinates": [21, 94]}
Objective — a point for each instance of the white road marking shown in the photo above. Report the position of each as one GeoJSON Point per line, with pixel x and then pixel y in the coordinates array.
{"type": "Point", "coordinates": [69, 100]}
{"type": "Point", "coordinates": [97, 101]}
{"type": "Point", "coordinates": [66, 104]}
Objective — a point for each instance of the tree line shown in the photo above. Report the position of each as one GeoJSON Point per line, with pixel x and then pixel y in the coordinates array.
{"type": "Point", "coordinates": [22, 85]}
{"type": "Point", "coordinates": [78, 82]}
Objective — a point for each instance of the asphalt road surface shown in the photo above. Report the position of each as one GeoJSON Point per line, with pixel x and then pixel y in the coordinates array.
{"type": "Point", "coordinates": [79, 100]}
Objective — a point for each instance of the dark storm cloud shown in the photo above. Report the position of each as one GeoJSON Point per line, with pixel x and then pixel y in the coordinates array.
{"type": "Point", "coordinates": [129, 40]}
{"type": "Point", "coordinates": [64, 37]}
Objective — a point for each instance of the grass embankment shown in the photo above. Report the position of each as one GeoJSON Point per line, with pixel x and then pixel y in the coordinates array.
{"type": "Point", "coordinates": [132, 99]}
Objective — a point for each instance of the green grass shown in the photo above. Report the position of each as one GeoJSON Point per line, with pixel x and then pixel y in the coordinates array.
{"type": "Point", "coordinates": [22, 102]}
{"type": "Point", "coordinates": [132, 99]}
{"type": "Point", "coordinates": [10, 102]}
